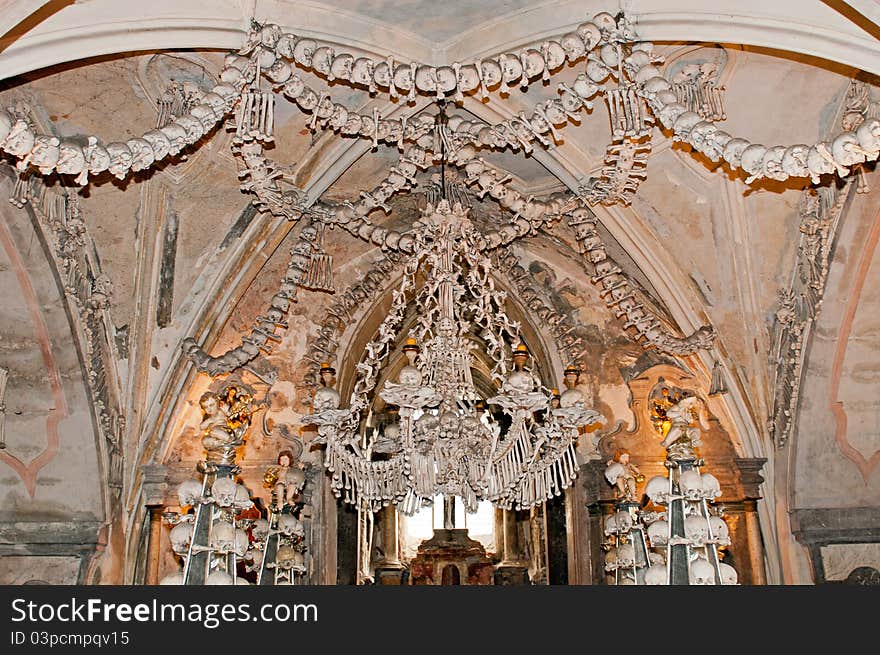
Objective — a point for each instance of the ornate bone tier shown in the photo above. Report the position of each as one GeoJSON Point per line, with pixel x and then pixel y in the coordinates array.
{"type": "Point", "coordinates": [446, 440]}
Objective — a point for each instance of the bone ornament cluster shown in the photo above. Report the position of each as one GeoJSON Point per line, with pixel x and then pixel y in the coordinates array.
{"type": "Point", "coordinates": [263, 335]}
{"type": "Point", "coordinates": [86, 156]}
{"type": "Point", "coordinates": [625, 168]}
{"type": "Point", "coordinates": [618, 295]}
{"type": "Point", "coordinates": [277, 53]}
{"type": "Point", "coordinates": [561, 326]}
{"type": "Point", "coordinates": [322, 346]}
{"type": "Point", "coordinates": [836, 155]}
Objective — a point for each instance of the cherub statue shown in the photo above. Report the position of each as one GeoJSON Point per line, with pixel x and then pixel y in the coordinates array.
{"type": "Point", "coordinates": [686, 418]}
{"type": "Point", "coordinates": [286, 481]}
{"type": "Point", "coordinates": [624, 476]}
{"type": "Point", "coordinates": [226, 418]}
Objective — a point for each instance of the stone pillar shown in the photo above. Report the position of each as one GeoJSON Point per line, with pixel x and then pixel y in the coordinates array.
{"type": "Point", "coordinates": [750, 478]}
{"type": "Point", "coordinates": [499, 534]}
{"type": "Point", "coordinates": [389, 570]}
{"type": "Point", "coordinates": [513, 568]}
{"type": "Point", "coordinates": [154, 545]}
{"type": "Point", "coordinates": [589, 500]}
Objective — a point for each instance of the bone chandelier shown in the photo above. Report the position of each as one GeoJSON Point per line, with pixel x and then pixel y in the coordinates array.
{"type": "Point", "coordinates": [443, 442]}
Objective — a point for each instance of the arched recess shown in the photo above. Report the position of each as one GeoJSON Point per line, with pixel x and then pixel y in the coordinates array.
{"type": "Point", "coordinates": [339, 543]}
{"type": "Point", "coordinates": [55, 501]}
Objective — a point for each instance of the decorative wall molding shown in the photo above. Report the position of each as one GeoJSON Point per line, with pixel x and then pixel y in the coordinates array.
{"type": "Point", "coordinates": [90, 293]}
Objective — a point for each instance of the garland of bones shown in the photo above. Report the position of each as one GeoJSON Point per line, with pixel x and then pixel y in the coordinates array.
{"type": "Point", "coordinates": [612, 52]}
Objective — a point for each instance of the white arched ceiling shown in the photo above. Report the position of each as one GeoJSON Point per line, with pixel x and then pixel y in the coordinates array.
{"type": "Point", "coordinates": [99, 27]}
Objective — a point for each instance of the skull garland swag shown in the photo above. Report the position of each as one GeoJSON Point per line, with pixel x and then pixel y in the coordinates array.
{"type": "Point", "coordinates": [447, 441]}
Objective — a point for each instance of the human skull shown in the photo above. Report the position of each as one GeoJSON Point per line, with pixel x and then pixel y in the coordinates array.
{"type": "Point", "coordinates": [711, 486]}
{"type": "Point", "coordinates": [180, 536]}
{"type": "Point", "coordinates": [403, 77]}
{"type": "Point", "coordinates": [700, 132]}
{"type": "Point", "coordinates": [192, 126]}
{"type": "Point", "coordinates": [622, 522]}
{"type": "Point", "coordinates": [817, 163]}
{"type": "Point", "coordinates": [635, 61]}
{"type": "Point", "coordinates": [289, 526]}
{"type": "Point", "coordinates": [20, 139]}
{"type": "Point", "coordinates": [696, 529]}
{"type": "Point", "coordinates": [303, 52]}
{"type": "Point", "coordinates": [728, 574]}
{"type": "Point", "coordinates": [322, 61]}
{"type": "Point", "coordinates": [733, 152]}
{"type": "Point", "coordinates": [656, 575]}
{"type": "Point", "coordinates": [227, 92]}
{"type": "Point", "coordinates": [260, 529]}
{"type": "Point", "coordinates": [325, 398]}
{"type": "Point", "coordinates": [701, 572]}
{"type": "Point", "coordinates": [176, 137]}
{"type": "Point", "coordinates": [597, 71]}
{"type": "Point", "coordinates": [511, 67]}
{"type": "Point", "coordinates": [589, 34]}
{"type": "Point", "coordinates": [223, 537]}
{"type": "Point", "coordinates": [657, 490]}
{"type": "Point", "coordinates": [532, 64]}
{"type": "Point", "coordinates": [553, 55]}
{"type": "Point", "coordinates": [794, 160]}
{"type": "Point", "coordinates": [626, 556]}
{"type": "Point", "coordinates": [205, 114]}
{"type": "Point", "coordinates": [646, 73]}
{"type": "Point", "coordinates": [290, 559]}
{"type": "Point", "coordinates": [490, 72]}
{"type": "Point", "coordinates": [658, 533]}
{"type": "Point", "coordinates": [341, 67]}
{"type": "Point", "coordinates": [294, 87]}
{"type": "Point", "coordinates": [308, 99]}
{"type": "Point", "coordinates": [446, 79]}
{"type": "Point", "coordinates": [141, 154]}
{"type": "Point", "coordinates": [426, 78]}
{"type": "Point", "coordinates": [605, 22]}
{"type": "Point", "coordinates": [752, 159]}
{"type": "Point", "coordinates": [227, 538]}
{"type": "Point", "coordinates": [339, 117]}
{"type": "Point", "coordinates": [669, 113]}
{"type": "Point", "coordinates": [684, 123]}
{"type": "Point", "coordinates": [410, 376]}
{"type": "Point", "coordinates": [720, 531]}
{"type": "Point", "coordinates": [159, 143]}
{"type": "Point", "coordinates": [714, 145]}
{"type": "Point", "coordinates": [362, 72]}
{"type": "Point", "coordinates": [611, 559]}
{"type": "Point", "coordinates": [45, 152]}
{"type": "Point", "coordinates": [846, 150]}
{"type": "Point", "coordinates": [656, 84]}
{"type": "Point", "coordinates": [223, 490]}
{"type": "Point", "coordinates": [690, 485]}
{"type": "Point", "coordinates": [285, 45]}
{"type": "Point", "coordinates": [771, 164]}
{"type": "Point", "coordinates": [242, 497]}
{"type": "Point", "coordinates": [468, 78]}
{"type": "Point", "coordinates": [189, 492]}
{"type": "Point", "coordinates": [120, 159]}
{"type": "Point", "coordinates": [868, 135]}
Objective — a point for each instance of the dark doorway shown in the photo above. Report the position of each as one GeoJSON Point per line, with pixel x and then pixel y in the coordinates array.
{"type": "Point", "coordinates": [451, 575]}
